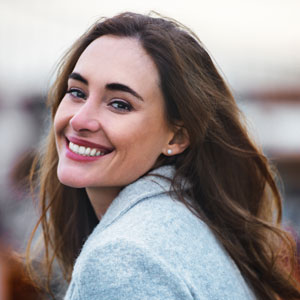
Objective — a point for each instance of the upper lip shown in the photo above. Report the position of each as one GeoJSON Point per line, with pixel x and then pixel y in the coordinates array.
{"type": "Point", "coordinates": [85, 143]}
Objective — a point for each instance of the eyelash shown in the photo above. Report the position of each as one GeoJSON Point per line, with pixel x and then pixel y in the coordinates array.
{"type": "Point", "coordinates": [125, 106]}
{"type": "Point", "coordinates": [72, 91]}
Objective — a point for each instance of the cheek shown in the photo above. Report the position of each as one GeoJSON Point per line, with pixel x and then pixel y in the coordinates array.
{"type": "Point", "coordinates": [130, 132]}
{"type": "Point", "coordinates": [61, 118]}
{"type": "Point", "coordinates": [56, 123]}
{"type": "Point", "coordinates": [145, 138]}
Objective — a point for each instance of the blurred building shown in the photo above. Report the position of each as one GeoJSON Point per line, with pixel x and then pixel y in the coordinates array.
{"type": "Point", "coordinates": [274, 116]}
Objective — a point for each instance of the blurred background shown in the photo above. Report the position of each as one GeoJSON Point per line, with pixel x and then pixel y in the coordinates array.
{"type": "Point", "coordinates": [255, 44]}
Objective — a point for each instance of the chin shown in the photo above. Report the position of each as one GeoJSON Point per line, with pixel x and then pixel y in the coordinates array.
{"type": "Point", "coordinates": [67, 178]}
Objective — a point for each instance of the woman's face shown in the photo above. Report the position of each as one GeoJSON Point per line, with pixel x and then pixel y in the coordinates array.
{"type": "Point", "coordinates": [110, 127]}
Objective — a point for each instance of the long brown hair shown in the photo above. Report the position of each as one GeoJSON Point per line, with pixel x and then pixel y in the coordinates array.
{"type": "Point", "coordinates": [232, 185]}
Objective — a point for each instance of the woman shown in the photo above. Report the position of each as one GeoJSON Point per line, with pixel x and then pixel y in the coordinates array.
{"type": "Point", "coordinates": [150, 187]}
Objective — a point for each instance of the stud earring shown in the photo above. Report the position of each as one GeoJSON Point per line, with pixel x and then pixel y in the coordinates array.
{"type": "Point", "coordinates": [169, 151]}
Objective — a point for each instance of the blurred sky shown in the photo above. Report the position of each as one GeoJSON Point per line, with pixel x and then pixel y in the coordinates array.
{"type": "Point", "coordinates": [255, 42]}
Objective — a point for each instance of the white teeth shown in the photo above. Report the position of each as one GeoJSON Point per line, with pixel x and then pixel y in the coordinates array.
{"type": "Point", "coordinates": [85, 151]}
{"type": "Point", "coordinates": [81, 150]}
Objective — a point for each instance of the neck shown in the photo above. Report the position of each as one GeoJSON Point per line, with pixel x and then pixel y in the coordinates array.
{"type": "Point", "coordinates": [101, 198]}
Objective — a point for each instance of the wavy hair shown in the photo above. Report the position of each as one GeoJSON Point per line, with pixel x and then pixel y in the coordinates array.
{"type": "Point", "coordinates": [232, 184]}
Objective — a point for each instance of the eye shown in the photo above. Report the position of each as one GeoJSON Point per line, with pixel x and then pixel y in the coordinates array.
{"type": "Point", "coordinates": [76, 93]}
{"type": "Point", "coordinates": [121, 105]}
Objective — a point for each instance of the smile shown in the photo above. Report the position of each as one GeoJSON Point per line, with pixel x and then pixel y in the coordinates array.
{"type": "Point", "coordinates": [85, 151]}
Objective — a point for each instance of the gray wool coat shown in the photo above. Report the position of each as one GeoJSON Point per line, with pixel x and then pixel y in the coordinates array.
{"type": "Point", "coordinates": [150, 246]}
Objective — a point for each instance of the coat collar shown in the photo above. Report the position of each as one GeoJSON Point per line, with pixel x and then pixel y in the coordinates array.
{"type": "Point", "coordinates": [145, 187]}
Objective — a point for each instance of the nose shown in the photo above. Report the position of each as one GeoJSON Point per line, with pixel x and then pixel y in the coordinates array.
{"type": "Point", "coordinates": [85, 119]}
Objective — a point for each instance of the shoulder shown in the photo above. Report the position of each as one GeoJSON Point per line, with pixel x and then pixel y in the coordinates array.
{"type": "Point", "coordinates": [121, 269]}
{"type": "Point", "coordinates": [151, 246]}
{"type": "Point", "coordinates": [159, 249]}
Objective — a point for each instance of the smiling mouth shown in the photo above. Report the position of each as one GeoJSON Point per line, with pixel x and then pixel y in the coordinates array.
{"type": "Point", "coordinates": [87, 151]}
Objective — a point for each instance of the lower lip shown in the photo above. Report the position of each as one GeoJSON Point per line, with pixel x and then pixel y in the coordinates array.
{"type": "Point", "coordinates": [78, 157]}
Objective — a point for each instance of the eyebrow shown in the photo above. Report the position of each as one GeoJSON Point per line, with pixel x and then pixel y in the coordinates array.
{"type": "Point", "coordinates": [123, 88]}
{"type": "Point", "coordinates": [110, 86]}
{"type": "Point", "coordinates": [78, 77]}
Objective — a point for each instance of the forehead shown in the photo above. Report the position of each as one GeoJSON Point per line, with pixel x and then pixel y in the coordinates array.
{"type": "Point", "coordinates": [113, 58]}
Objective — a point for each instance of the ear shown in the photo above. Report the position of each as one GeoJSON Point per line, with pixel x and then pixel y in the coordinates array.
{"type": "Point", "coordinates": [178, 142]}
